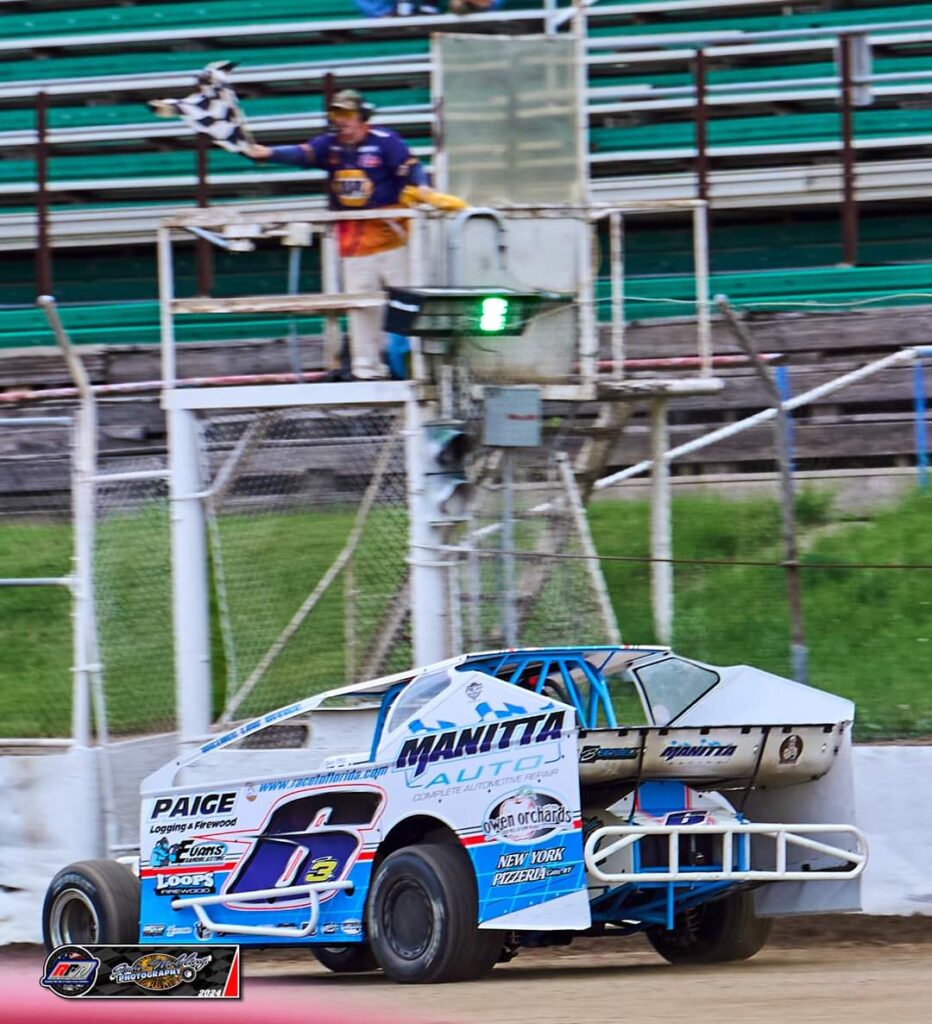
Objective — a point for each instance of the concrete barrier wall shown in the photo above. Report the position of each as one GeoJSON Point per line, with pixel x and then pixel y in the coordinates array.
{"type": "Point", "coordinates": [894, 809]}
{"type": "Point", "coordinates": [50, 816]}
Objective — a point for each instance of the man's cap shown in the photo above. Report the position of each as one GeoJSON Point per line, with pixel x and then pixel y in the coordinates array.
{"type": "Point", "coordinates": [348, 99]}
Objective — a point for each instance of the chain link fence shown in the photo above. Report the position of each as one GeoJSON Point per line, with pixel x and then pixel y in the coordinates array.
{"type": "Point", "coordinates": [526, 572]}
{"type": "Point", "coordinates": [308, 530]}
{"type": "Point", "coordinates": [35, 544]}
{"type": "Point", "coordinates": [307, 522]}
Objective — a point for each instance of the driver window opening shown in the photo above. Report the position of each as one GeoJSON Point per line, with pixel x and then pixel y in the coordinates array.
{"type": "Point", "coordinates": [415, 696]}
{"type": "Point", "coordinates": [673, 685]}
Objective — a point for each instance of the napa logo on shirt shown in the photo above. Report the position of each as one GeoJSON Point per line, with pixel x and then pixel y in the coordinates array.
{"type": "Point", "coordinates": [352, 187]}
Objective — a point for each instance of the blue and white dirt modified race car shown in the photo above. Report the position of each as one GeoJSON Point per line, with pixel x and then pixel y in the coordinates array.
{"type": "Point", "coordinates": [433, 822]}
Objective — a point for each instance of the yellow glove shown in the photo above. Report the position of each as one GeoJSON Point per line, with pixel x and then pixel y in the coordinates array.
{"type": "Point", "coordinates": [413, 194]}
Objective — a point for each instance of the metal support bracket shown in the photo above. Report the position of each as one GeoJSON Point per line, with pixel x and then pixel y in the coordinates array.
{"type": "Point", "coordinates": [308, 928]}
{"type": "Point", "coordinates": [851, 864]}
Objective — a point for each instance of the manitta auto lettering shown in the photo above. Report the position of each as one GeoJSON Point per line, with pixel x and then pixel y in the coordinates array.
{"type": "Point", "coordinates": [679, 749]}
{"type": "Point", "coordinates": [420, 752]}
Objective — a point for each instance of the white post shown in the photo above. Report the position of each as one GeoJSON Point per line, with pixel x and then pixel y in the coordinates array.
{"type": "Point", "coordinates": [428, 592]}
{"type": "Point", "coordinates": [83, 490]}
{"type": "Point", "coordinates": [330, 279]}
{"type": "Point", "coordinates": [588, 323]}
{"type": "Point", "coordinates": [439, 163]}
{"type": "Point", "coordinates": [580, 43]}
{"type": "Point", "coordinates": [189, 580]}
{"type": "Point", "coordinates": [166, 297]}
{"type": "Point", "coordinates": [661, 548]}
{"type": "Point", "coordinates": [701, 260]}
{"type": "Point", "coordinates": [417, 277]}
{"type": "Point", "coordinates": [509, 595]}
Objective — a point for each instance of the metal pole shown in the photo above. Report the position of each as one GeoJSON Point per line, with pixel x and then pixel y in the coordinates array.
{"type": "Point", "coordinates": [428, 593]}
{"type": "Point", "coordinates": [798, 649]}
{"type": "Point", "coordinates": [294, 286]}
{"type": "Point", "coordinates": [903, 355]}
{"type": "Point", "coordinates": [849, 209]}
{"type": "Point", "coordinates": [782, 378]}
{"type": "Point", "coordinates": [593, 569]}
{"type": "Point", "coordinates": [580, 43]}
{"type": "Point", "coordinates": [661, 547]}
{"type": "Point", "coordinates": [88, 682]}
{"type": "Point", "coordinates": [43, 251]}
{"type": "Point", "coordinates": [205, 256]}
{"type": "Point", "coordinates": [702, 153]}
{"type": "Point", "coordinates": [509, 610]}
{"type": "Point", "coordinates": [588, 325]}
{"type": "Point", "coordinates": [617, 268]}
{"type": "Point", "coordinates": [166, 297]}
{"type": "Point", "coordinates": [189, 580]}
{"type": "Point", "coordinates": [919, 413]}
{"type": "Point", "coordinates": [701, 264]}
{"type": "Point", "coordinates": [330, 276]}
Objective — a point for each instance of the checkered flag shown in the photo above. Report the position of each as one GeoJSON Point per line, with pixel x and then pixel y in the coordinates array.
{"type": "Point", "coordinates": [213, 110]}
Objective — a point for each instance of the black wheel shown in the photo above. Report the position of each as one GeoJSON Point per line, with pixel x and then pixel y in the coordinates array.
{"type": "Point", "coordinates": [93, 901]}
{"type": "Point", "coordinates": [713, 933]}
{"type": "Point", "coordinates": [422, 915]}
{"type": "Point", "coordinates": [354, 959]}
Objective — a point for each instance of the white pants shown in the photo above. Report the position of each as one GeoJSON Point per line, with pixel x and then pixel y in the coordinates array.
{"type": "Point", "coordinates": [371, 274]}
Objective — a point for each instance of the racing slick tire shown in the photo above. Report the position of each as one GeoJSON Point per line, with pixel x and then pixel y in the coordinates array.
{"type": "Point", "coordinates": [422, 917]}
{"type": "Point", "coordinates": [92, 901]}
{"type": "Point", "coordinates": [354, 959]}
{"type": "Point", "coordinates": [713, 933]}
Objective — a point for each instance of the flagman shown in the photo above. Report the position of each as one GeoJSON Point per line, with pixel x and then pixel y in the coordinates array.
{"type": "Point", "coordinates": [367, 168]}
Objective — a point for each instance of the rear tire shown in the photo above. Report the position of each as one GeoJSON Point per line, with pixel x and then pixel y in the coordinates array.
{"type": "Point", "coordinates": [354, 959]}
{"type": "Point", "coordinates": [713, 933]}
{"type": "Point", "coordinates": [422, 917]}
{"type": "Point", "coordinates": [92, 901]}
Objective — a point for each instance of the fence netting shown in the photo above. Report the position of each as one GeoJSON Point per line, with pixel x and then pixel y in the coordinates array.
{"type": "Point", "coordinates": [35, 543]}
{"type": "Point", "coordinates": [307, 523]}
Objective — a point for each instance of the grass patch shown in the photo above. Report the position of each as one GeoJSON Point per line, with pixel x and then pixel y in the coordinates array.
{"type": "Point", "coordinates": [869, 630]}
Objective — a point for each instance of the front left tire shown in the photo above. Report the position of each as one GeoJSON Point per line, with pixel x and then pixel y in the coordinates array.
{"type": "Point", "coordinates": [92, 901]}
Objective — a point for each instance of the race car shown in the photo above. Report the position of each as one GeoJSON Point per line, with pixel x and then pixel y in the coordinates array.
{"type": "Point", "coordinates": [432, 823]}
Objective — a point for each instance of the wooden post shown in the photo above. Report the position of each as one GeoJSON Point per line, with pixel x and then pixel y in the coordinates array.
{"type": "Point", "coordinates": [782, 427]}
{"type": "Point", "coordinates": [205, 256]}
{"type": "Point", "coordinates": [849, 206]}
{"type": "Point", "coordinates": [702, 151]}
{"type": "Point", "coordinates": [43, 250]}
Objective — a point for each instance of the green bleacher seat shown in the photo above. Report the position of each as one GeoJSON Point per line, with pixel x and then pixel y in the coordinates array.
{"type": "Point", "coordinates": [147, 17]}
{"type": "Point", "coordinates": [149, 62]}
{"type": "Point", "coordinates": [748, 259]}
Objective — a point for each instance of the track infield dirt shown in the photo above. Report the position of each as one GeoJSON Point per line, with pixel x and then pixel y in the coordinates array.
{"type": "Point", "coordinates": [846, 970]}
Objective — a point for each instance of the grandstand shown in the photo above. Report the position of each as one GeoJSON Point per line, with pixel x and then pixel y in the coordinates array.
{"type": "Point", "coordinates": [771, 161]}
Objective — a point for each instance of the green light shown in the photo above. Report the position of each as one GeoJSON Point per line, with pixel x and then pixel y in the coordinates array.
{"type": "Point", "coordinates": [493, 315]}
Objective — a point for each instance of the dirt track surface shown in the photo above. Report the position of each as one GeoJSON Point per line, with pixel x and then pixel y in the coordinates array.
{"type": "Point", "coordinates": [600, 982]}
{"type": "Point", "coordinates": [856, 971]}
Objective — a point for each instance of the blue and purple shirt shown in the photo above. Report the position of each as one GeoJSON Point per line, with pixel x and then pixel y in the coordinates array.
{"type": "Point", "coordinates": [364, 177]}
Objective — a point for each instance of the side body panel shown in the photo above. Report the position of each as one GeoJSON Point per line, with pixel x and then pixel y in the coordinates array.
{"type": "Point", "coordinates": [495, 765]}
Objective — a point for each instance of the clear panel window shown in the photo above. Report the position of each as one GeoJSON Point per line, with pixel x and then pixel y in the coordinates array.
{"type": "Point", "coordinates": [625, 697]}
{"type": "Point", "coordinates": [673, 685]}
{"type": "Point", "coordinates": [422, 691]}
